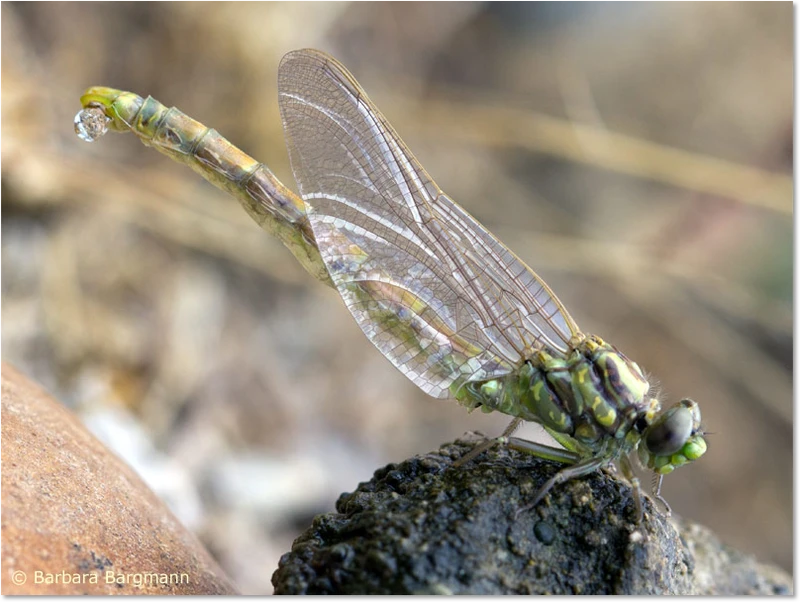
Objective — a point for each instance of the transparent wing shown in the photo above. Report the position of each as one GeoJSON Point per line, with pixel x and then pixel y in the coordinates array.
{"type": "Point", "coordinates": [440, 297]}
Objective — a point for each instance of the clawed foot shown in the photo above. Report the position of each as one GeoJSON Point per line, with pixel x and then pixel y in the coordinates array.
{"type": "Point", "coordinates": [478, 450]}
{"type": "Point", "coordinates": [663, 502]}
{"type": "Point", "coordinates": [657, 481]}
{"type": "Point", "coordinates": [475, 435]}
{"type": "Point", "coordinates": [489, 443]}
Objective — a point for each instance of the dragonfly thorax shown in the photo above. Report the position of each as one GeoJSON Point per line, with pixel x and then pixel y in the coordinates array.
{"type": "Point", "coordinates": [597, 397]}
{"type": "Point", "coordinates": [591, 393]}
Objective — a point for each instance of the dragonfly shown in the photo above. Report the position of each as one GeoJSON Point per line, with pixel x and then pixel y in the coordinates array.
{"type": "Point", "coordinates": [444, 300]}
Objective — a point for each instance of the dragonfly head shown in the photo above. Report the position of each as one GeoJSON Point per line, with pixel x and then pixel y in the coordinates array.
{"type": "Point", "coordinates": [673, 439]}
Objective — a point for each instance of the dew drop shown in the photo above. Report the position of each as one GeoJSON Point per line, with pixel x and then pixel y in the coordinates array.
{"type": "Point", "coordinates": [90, 124]}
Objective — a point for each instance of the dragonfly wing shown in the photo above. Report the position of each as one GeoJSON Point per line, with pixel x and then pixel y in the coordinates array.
{"type": "Point", "coordinates": [437, 294]}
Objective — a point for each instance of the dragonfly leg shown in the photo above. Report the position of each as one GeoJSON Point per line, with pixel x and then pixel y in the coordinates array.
{"type": "Point", "coordinates": [627, 470]}
{"type": "Point", "coordinates": [489, 443]}
{"type": "Point", "coordinates": [512, 426]}
{"type": "Point", "coordinates": [547, 452]}
{"type": "Point", "coordinates": [657, 480]}
{"type": "Point", "coordinates": [565, 474]}
{"type": "Point", "coordinates": [480, 435]}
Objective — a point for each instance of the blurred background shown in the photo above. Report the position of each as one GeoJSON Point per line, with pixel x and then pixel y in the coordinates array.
{"type": "Point", "coordinates": [637, 156]}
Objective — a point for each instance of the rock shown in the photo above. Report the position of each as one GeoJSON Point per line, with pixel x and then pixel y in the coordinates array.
{"type": "Point", "coordinates": [722, 570]}
{"type": "Point", "coordinates": [78, 520]}
{"type": "Point", "coordinates": [426, 527]}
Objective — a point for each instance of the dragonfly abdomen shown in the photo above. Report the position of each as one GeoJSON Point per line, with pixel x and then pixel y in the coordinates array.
{"type": "Point", "coordinates": [173, 133]}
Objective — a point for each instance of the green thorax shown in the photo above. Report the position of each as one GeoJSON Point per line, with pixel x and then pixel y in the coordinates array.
{"type": "Point", "coordinates": [592, 393]}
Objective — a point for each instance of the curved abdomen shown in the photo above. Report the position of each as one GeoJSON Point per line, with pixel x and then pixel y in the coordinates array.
{"type": "Point", "coordinates": [173, 133]}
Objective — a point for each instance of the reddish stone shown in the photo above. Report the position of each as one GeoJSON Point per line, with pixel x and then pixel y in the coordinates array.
{"type": "Point", "coordinates": [78, 520]}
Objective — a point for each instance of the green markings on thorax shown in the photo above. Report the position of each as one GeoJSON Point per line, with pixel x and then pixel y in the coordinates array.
{"type": "Point", "coordinates": [592, 393]}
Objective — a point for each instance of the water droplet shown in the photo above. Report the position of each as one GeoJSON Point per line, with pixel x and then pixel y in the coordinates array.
{"type": "Point", "coordinates": [90, 124]}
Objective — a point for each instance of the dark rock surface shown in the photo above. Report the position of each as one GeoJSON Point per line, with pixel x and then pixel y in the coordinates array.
{"type": "Point", "coordinates": [426, 527]}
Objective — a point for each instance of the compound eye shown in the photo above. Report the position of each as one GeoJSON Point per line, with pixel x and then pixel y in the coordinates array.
{"type": "Point", "coordinates": [670, 432]}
